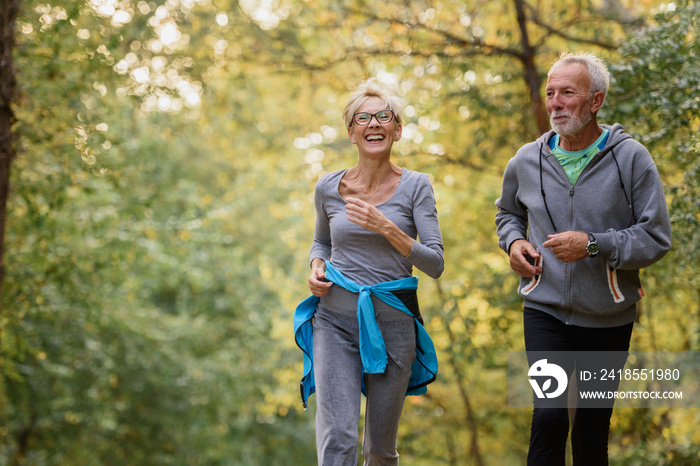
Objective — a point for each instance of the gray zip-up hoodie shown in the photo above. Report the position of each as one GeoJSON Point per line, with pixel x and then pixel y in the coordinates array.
{"type": "Point", "coordinates": [624, 208]}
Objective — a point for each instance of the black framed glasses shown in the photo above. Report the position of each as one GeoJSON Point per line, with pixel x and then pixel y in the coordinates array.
{"type": "Point", "coordinates": [364, 118]}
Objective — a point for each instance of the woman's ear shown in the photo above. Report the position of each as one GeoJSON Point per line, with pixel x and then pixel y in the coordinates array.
{"type": "Point", "coordinates": [351, 134]}
{"type": "Point", "coordinates": [397, 132]}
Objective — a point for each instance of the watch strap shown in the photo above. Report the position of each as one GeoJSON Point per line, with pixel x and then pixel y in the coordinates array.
{"type": "Point", "coordinates": [592, 248]}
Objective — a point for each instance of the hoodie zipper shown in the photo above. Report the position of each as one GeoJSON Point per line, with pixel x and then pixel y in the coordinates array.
{"type": "Point", "coordinates": [572, 204]}
{"type": "Point", "coordinates": [572, 190]}
{"type": "Point", "coordinates": [570, 266]}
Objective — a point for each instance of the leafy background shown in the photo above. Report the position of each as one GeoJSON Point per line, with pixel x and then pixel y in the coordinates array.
{"type": "Point", "coordinates": [161, 212]}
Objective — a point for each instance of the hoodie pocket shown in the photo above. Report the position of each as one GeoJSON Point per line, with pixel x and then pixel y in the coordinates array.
{"type": "Point", "coordinates": [527, 286]}
{"type": "Point", "coordinates": [614, 287]}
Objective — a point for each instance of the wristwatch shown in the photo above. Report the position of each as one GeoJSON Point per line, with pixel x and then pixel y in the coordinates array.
{"type": "Point", "coordinates": [592, 247]}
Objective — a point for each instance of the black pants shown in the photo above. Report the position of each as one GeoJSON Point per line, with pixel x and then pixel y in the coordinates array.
{"type": "Point", "coordinates": [550, 426]}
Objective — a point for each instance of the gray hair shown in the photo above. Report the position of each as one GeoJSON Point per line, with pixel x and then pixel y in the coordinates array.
{"type": "Point", "coordinates": [597, 70]}
{"type": "Point", "coordinates": [373, 87]}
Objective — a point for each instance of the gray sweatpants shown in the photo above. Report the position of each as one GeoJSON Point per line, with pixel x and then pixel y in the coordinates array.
{"type": "Point", "coordinates": [338, 369]}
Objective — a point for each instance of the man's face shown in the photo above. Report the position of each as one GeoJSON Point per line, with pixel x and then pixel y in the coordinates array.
{"type": "Point", "coordinates": [569, 99]}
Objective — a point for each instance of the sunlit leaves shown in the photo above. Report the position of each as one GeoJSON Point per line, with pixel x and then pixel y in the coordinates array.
{"type": "Point", "coordinates": [162, 213]}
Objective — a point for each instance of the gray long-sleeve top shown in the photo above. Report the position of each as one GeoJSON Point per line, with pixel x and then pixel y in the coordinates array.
{"type": "Point", "coordinates": [367, 257]}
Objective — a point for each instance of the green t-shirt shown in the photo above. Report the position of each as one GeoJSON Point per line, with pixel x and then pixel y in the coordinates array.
{"type": "Point", "coordinates": [573, 162]}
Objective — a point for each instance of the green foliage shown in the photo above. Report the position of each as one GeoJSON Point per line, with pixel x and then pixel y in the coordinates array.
{"type": "Point", "coordinates": [161, 215]}
{"type": "Point", "coordinates": [138, 310]}
{"type": "Point", "coordinates": [655, 93]}
{"type": "Point", "coordinates": [656, 90]}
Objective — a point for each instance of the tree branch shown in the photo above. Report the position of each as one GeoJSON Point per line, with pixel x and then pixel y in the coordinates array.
{"type": "Point", "coordinates": [535, 18]}
{"type": "Point", "coordinates": [478, 46]}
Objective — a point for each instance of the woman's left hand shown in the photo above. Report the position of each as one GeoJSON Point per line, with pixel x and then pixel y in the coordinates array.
{"type": "Point", "coordinates": [366, 215]}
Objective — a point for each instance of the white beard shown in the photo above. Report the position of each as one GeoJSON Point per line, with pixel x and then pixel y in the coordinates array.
{"type": "Point", "coordinates": [573, 125]}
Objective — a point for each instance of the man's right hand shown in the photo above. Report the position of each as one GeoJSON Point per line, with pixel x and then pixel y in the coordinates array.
{"type": "Point", "coordinates": [520, 249]}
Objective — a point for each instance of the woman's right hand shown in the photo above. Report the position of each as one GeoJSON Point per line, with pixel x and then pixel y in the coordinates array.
{"type": "Point", "coordinates": [318, 284]}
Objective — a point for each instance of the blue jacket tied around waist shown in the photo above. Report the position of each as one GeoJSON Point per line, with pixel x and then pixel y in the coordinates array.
{"type": "Point", "coordinates": [372, 349]}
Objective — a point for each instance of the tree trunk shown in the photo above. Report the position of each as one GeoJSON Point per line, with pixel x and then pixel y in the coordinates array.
{"type": "Point", "coordinates": [7, 93]}
{"type": "Point", "coordinates": [532, 77]}
{"type": "Point", "coordinates": [474, 451]}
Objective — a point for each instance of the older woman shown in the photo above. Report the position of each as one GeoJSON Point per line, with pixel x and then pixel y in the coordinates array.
{"type": "Point", "coordinates": [367, 333]}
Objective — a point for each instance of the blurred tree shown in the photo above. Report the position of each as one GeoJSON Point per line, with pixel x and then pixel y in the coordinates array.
{"type": "Point", "coordinates": [161, 215]}
{"type": "Point", "coordinates": [7, 151]}
{"type": "Point", "coordinates": [7, 96]}
{"type": "Point", "coordinates": [139, 310]}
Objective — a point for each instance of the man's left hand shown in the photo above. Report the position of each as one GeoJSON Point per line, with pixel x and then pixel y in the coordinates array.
{"type": "Point", "coordinates": [569, 246]}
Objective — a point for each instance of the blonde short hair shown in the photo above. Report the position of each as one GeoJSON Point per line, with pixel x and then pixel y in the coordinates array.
{"type": "Point", "coordinates": [373, 87]}
{"type": "Point", "coordinates": [597, 70]}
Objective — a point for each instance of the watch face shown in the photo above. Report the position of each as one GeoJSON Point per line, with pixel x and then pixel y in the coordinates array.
{"type": "Point", "coordinates": [592, 248]}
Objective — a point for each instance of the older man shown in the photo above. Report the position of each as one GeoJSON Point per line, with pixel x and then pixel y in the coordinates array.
{"type": "Point", "coordinates": [582, 209]}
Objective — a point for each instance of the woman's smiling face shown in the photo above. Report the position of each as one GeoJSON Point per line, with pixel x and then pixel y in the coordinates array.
{"type": "Point", "coordinates": [374, 138]}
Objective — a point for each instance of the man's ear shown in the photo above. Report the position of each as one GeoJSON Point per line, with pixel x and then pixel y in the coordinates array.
{"type": "Point", "coordinates": [598, 99]}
